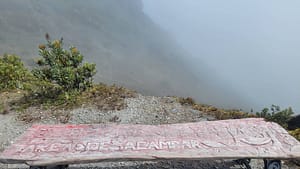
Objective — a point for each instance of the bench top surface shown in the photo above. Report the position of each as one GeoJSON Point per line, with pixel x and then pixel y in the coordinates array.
{"type": "Point", "coordinates": [67, 144]}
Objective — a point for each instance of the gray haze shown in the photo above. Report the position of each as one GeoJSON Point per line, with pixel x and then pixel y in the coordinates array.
{"type": "Point", "coordinates": [228, 54]}
{"type": "Point", "coordinates": [128, 48]}
{"type": "Point", "coordinates": [252, 46]}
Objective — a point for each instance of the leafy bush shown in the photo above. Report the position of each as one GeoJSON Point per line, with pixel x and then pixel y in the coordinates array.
{"type": "Point", "coordinates": [276, 115]}
{"type": "Point", "coordinates": [47, 96]}
{"type": "Point", "coordinates": [294, 123]}
{"type": "Point", "coordinates": [13, 74]}
{"type": "Point", "coordinates": [231, 114]}
{"type": "Point", "coordinates": [222, 114]}
{"type": "Point", "coordinates": [295, 133]}
{"type": "Point", "coordinates": [186, 101]}
{"type": "Point", "coordinates": [63, 67]}
{"type": "Point", "coordinates": [59, 78]}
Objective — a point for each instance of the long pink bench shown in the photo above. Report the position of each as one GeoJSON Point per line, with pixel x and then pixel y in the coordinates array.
{"type": "Point", "coordinates": [44, 145]}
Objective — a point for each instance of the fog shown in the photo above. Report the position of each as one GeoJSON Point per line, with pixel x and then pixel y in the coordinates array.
{"type": "Point", "coordinates": [231, 54]}
{"type": "Point", "coordinates": [252, 46]}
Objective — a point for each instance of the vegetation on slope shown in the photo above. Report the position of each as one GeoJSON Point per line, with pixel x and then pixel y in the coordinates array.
{"type": "Point", "coordinates": [63, 67]}
{"type": "Point", "coordinates": [274, 114]}
{"type": "Point", "coordinates": [219, 114]}
{"type": "Point", "coordinates": [277, 115]}
{"type": "Point", "coordinates": [13, 74]}
{"type": "Point", "coordinates": [60, 80]}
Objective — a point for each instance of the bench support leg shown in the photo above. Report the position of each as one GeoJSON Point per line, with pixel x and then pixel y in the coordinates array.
{"type": "Point", "coordinates": [37, 167]}
{"type": "Point", "coordinates": [272, 164]}
{"type": "Point", "coordinates": [244, 162]}
{"type": "Point", "coordinates": [52, 167]}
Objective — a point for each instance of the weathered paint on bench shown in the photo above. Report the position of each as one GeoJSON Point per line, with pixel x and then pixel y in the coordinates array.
{"type": "Point", "coordinates": [67, 144]}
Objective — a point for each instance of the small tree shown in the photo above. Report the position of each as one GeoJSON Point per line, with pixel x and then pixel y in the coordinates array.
{"type": "Point", "coordinates": [13, 74]}
{"type": "Point", "coordinates": [64, 67]}
{"type": "Point", "coordinates": [277, 115]}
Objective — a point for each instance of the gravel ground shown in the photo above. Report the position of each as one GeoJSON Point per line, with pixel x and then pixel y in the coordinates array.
{"type": "Point", "coordinates": [140, 110]}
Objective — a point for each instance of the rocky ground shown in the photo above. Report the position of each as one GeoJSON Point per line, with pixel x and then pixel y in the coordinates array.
{"type": "Point", "coordinates": [139, 110]}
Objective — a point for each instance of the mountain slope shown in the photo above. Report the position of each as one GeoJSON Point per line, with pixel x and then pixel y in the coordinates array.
{"type": "Point", "coordinates": [128, 48]}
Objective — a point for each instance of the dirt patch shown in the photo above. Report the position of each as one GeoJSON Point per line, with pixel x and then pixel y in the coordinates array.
{"type": "Point", "coordinates": [100, 97]}
{"type": "Point", "coordinates": [106, 97]}
{"type": "Point", "coordinates": [41, 115]}
{"type": "Point", "coordinates": [7, 98]}
{"type": "Point", "coordinates": [140, 110]}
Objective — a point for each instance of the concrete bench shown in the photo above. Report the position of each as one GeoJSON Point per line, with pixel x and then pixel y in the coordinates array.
{"type": "Point", "coordinates": [243, 139]}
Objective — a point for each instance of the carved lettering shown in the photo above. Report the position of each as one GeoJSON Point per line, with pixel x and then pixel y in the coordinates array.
{"type": "Point", "coordinates": [80, 147]}
{"type": "Point", "coordinates": [28, 149]}
{"type": "Point", "coordinates": [142, 145]}
{"type": "Point", "coordinates": [154, 146]}
{"type": "Point", "coordinates": [129, 146]}
{"type": "Point", "coordinates": [119, 146]}
{"type": "Point", "coordinates": [186, 144]}
{"type": "Point", "coordinates": [173, 144]}
{"type": "Point", "coordinates": [54, 147]}
{"type": "Point", "coordinates": [66, 147]}
{"type": "Point", "coordinates": [103, 146]}
{"type": "Point", "coordinates": [163, 145]}
{"type": "Point", "coordinates": [195, 144]}
{"type": "Point", "coordinates": [244, 137]}
{"type": "Point", "coordinates": [92, 146]}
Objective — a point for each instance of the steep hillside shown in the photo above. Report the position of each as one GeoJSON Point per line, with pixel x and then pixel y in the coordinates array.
{"type": "Point", "coordinates": [128, 48]}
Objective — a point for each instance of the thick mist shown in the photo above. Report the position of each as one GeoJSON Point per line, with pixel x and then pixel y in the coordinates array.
{"type": "Point", "coordinates": [227, 54]}
{"type": "Point", "coordinates": [128, 48]}
{"type": "Point", "coordinates": [253, 47]}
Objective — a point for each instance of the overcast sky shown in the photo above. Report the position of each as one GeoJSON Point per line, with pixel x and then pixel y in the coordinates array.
{"type": "Point", "coordinates": [252, 45]}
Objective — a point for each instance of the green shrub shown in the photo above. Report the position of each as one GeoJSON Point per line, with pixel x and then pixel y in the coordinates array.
{"type": "Point", "coordinates": [295, 133]}
{"type": "Point", "coordinates": [294, 123]}
{"type": "Point", "coordinates": [277, 115]}
{"type": "Point", "coordinates": [222, 114]}
{"type": "Point", "coordinates": [58, 80]}
{"type": "Point", "coordinates": [186, 101]}
{"type": "Point", "coordinates": [46, 95]}
{"type": "Point", "coordinates": [63, 67]}
{"type": "Point", "coordinates": [13, 74]}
